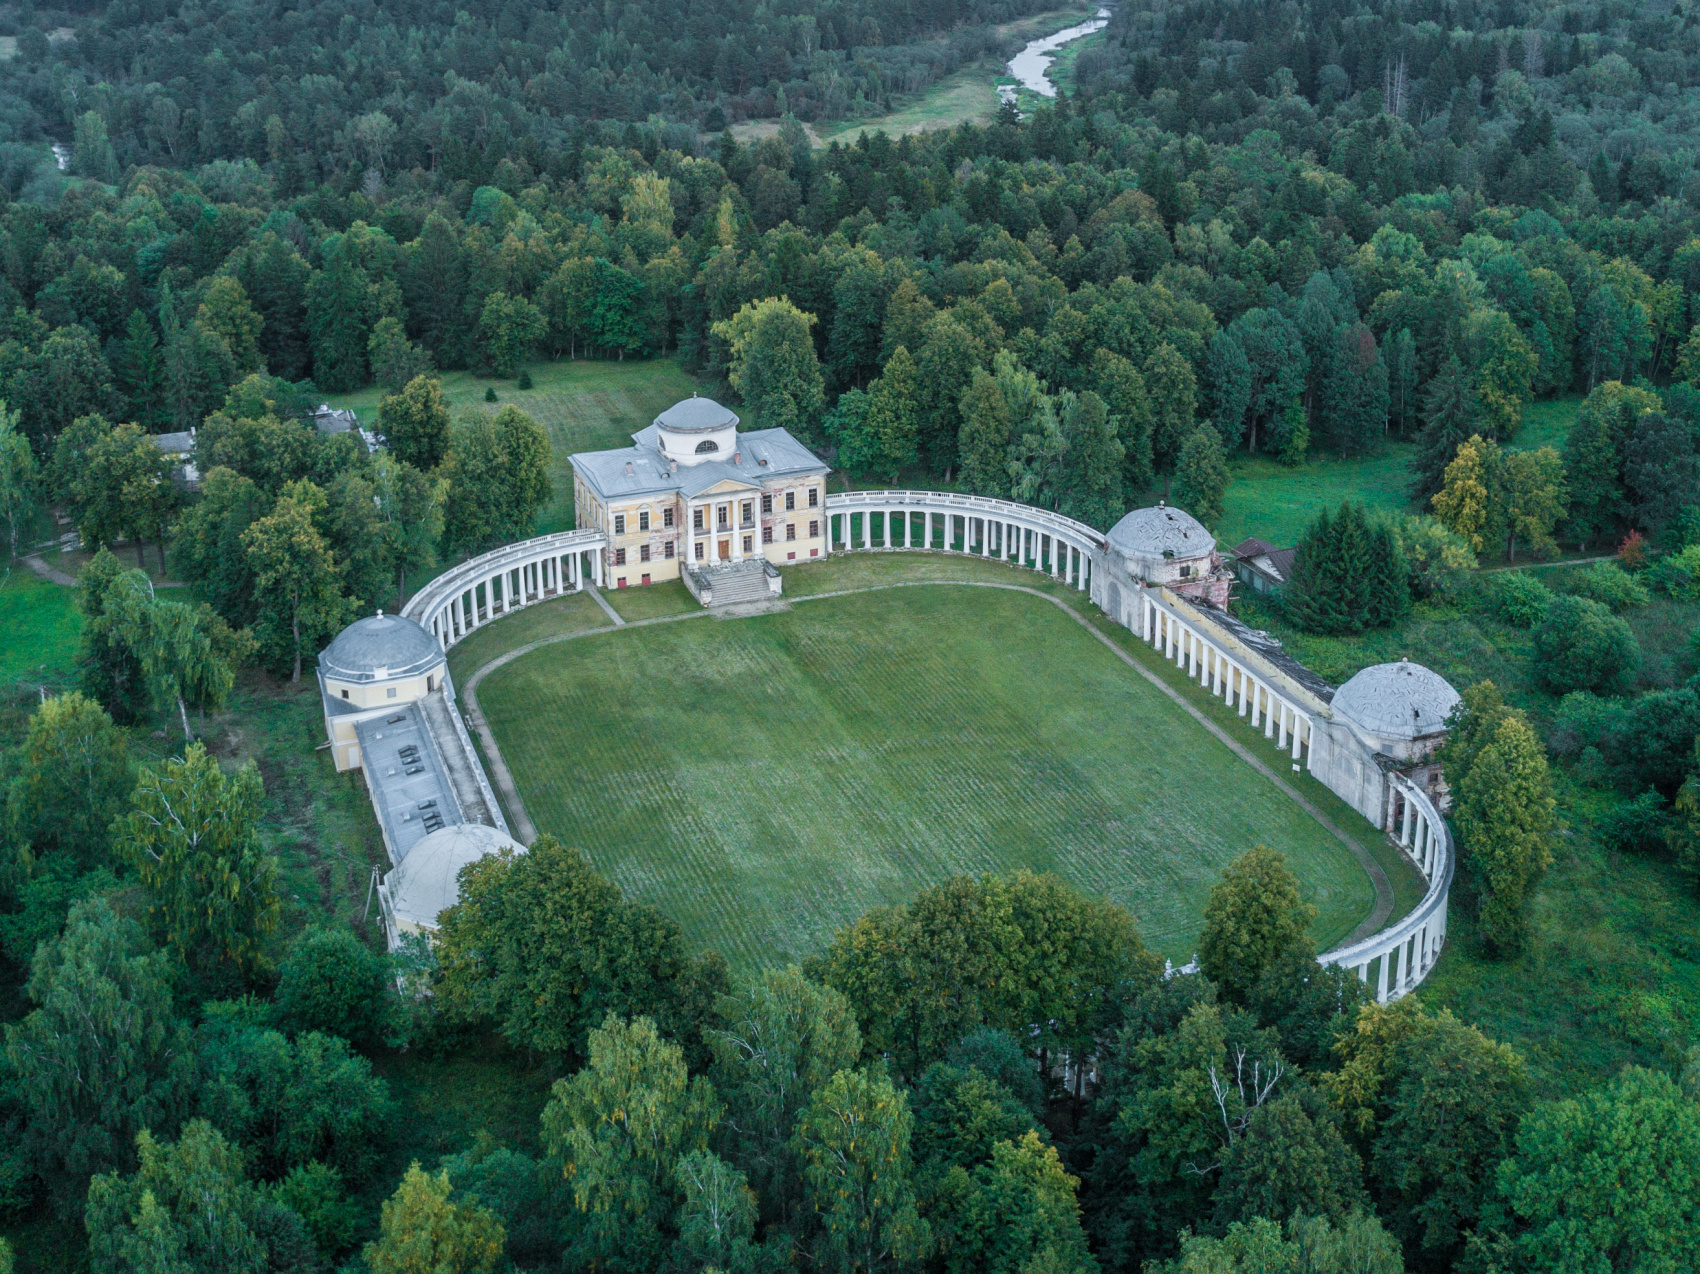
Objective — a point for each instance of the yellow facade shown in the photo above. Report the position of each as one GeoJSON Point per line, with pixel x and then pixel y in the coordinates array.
{"type": "Point", "coordinates": [648, 537]}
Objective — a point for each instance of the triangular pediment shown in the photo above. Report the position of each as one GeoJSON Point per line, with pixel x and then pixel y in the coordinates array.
{"type": "Point", "coordinates": [726, 486]}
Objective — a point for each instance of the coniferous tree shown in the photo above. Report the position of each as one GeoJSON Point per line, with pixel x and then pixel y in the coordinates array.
{"type": "Point", "coordinates": [141, 372]}
{"type": "Point", "coordinates": [1449, 419]}
{"type": "Point", "coordinates": [1202, 475]}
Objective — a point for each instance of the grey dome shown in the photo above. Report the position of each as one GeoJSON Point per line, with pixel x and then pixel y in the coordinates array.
{"type": "Point", "coordinates": [380, 647]}
{"type": "Point", "coordinates": [1397, 701]}
{"type": "Point", "coordinates": [1164, 531]}
{"type": "Point", "coordinates": [695, 416]}
{"type": "Point", "coordinates": [426, 882]}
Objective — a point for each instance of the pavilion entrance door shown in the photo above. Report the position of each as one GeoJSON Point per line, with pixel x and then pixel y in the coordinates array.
{"type": "Point", "coordinates": [725, 550]}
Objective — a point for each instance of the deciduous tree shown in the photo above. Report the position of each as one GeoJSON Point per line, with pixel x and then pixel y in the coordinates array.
{"type": "Point", "coordinates": [1609, 1179]}
{"type": "Point", "coordinates": [773, 364]}
{"type": "Point", "coordinates": [498, 478]}
{"type": "Point", "coordinates": [853, 1139]}
{"type": "Point", "coordinates": [619, 1127]}
{"type": "Point", "coordinates": [102, 1055]}
{"type": "Point", "coordinates": [509, 328]}
{"type": "Point", "coordinates": [295, 575]}
{"type": "Point", "coordinates": [192, 836]}
{"type": "Point", "coordinates": [1254, 917]}
{"type": "Point", "coordinates": [415, 422]}
{"type": "Point", "coordinates": [422, 1232]}
{"type": "Point", "coordinates": [70, 779]}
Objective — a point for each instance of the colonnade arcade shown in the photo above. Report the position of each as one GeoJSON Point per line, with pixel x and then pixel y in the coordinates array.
{"type": "Point", "coordinates": [1227, 680]}
{"type": "Point", "coordinates": [1399, 956]}
{"type": "Point", "coordinates": [472, 594]}
{"type": "Point", "coordinates": [1002, 530]}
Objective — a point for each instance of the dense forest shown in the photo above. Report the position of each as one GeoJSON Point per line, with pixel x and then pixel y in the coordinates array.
{"type": "Point", "coordinates": [1277, 231]}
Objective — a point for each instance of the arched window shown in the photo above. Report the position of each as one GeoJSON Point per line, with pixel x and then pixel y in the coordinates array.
{"type": "Point", "coordinates": [706, 446]}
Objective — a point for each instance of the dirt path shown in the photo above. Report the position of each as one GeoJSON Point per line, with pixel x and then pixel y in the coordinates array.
{"type": "Point", "coordinates": [527, 832]}
{"type": "Point", "coordinates": [49, 574]}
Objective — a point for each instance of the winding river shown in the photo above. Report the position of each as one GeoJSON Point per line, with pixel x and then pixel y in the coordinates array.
{"type": "Point", "coordinates": [1029, 65]}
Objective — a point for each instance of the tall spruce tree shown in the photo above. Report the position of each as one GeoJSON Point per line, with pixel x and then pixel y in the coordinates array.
{"type": "Point", "coordinates": [1449, 419]}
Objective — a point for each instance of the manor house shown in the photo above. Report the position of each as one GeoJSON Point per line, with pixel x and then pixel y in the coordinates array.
{"type": "Point", "coordinates": [693, 491]}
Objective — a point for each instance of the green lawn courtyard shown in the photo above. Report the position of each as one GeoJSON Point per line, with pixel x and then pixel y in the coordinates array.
{"type": "Point", "coordinates": [766, 780]}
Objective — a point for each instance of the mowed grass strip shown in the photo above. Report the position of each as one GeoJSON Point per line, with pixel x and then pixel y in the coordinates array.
{"type": "Point", "coordinates": [767, 780]}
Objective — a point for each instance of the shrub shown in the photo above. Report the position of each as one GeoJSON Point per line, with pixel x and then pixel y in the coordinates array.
{"type": "Point", "coordinates": [1679, 574]}
{"type": "Point", "coordinates": [333, 983]}
{"type": "Point", "coordinates": [1610, 585]}
{"type": "Point", "coordinates": [1581, 645]}
{"type": "Point", "coordinates": [1636, 826]}
{"type": "Point", "coordinates": [489, 393]}
{"type": "Point", "coordinates": [524, 381]}
{"type": "Point", "coordinates": [1518, 598]}
{"type": "Point", "coordinates": [1436, 556]}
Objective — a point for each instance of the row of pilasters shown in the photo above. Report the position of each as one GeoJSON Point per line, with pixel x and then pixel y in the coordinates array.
{"type": "Point", "coordinates": [507, 590]}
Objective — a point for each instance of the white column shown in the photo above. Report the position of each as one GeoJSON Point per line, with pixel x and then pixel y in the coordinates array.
{"type": "Point", "coordinates": [1298, 737]}
{"type": "Point", "coordinates": [1275, 705]}
{"type": "Point", "coordinates": [1405, 820]}
{"type": "Point", "coordinates": [1281, 726]}
{"type": "Point", "coordinates": [867, 529]}
{"type": "Point", "coordinates": [1381, 982]}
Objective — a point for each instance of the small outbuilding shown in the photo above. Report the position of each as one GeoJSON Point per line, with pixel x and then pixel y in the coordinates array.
{"type": "Point", "coordinates": [1262, 567]}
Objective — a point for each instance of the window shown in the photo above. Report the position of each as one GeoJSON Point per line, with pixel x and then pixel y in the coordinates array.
{"type": "Point", "coordinates": [643, 520]}
{"type": "Point", "coordinates": [696, 519]}
{"type": "Point", "coordinates": [722, 515]}
{"type": "Point", "coordinates": [707, 446]}
{"type": "Point", "coordinates": [767, 504]}
{"type": "Point", "coordinates": [345, 694]}
{"type": "Point", "coordinates": [748, 517]}
{"type": "Point", "coordinates": [430, 684]}
{"type": "Point", "coordinates": [767, 535]}
{"type": "Point", "coordinates": [790, 530]}
{"type": "Point", "coordinates": [814, 497]}
{"type": "Point", "coordinates": [1185, 571]}
{"type": "Point", "coordinates": [390, 693]}
{"type": "Point", "coordinates": [621, 582]}
{"type": "Point", "coordinates": [619, 557]}
{"type": "Point", "coordinates": [814, 552]}
{"type": "Point", "coordinates": [699, 550]}
{"type": "Point", "coordinates": [667, 550]}
{"type": "Point", "coordinates": [790, 501]}
{"type": "Point", "coordinates": [667, 517]}
{"type": "Point", "coordinates": [790, 557]}
{"type": "Point", "coordinates": [619, 524]}
{"type": "Point", "coordinates": [643, 552]}
{"type": "Point", "coordinates": [814, 530]}
{"type": "Point", "coordinates": [646, 579]}
{"type": "Point", "coordinates": [748, 547]}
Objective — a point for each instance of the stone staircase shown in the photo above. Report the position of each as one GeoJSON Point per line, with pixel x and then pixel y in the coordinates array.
{"type": "Point", "coordinates": [733, 583]}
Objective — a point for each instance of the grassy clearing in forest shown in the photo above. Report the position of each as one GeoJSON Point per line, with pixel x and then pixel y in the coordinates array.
{"type": "Point", "coordinates": [584, 405]}
{"type": "Point", "coordinates": [767, 780]}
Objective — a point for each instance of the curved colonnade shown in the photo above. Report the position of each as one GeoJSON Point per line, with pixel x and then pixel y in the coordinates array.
{"type": "Point", "coordinates": [496, 583]}
{"type": "Point", "coordinates": [487, 587]}
{"type": "Point", "coordinates": [1401, 954]}
{"type": "Point", "coordinates": [981, 527]}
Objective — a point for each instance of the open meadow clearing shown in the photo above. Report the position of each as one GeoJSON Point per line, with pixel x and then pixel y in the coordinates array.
{"type": "Point", "coordinates": [766, 780]}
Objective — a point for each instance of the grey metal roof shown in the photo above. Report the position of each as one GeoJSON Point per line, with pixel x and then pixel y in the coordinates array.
{"type": "Point", "coordinates": [177, 444]}
{"type": "Point", "coordinates": [426, 883]}
{"type": "Point", "coordinates": [1397, 701]}
{"type": "Point", "coordinates": [410, 806]}
{"type": "Point", "coordinates": [641, 469]}
{"type": "Point", "coordinates": [1164, 530]}
{"type": "Point", "coordinates": [695, 415]}
{"type": "Point", "coordinates": [386, 644]}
